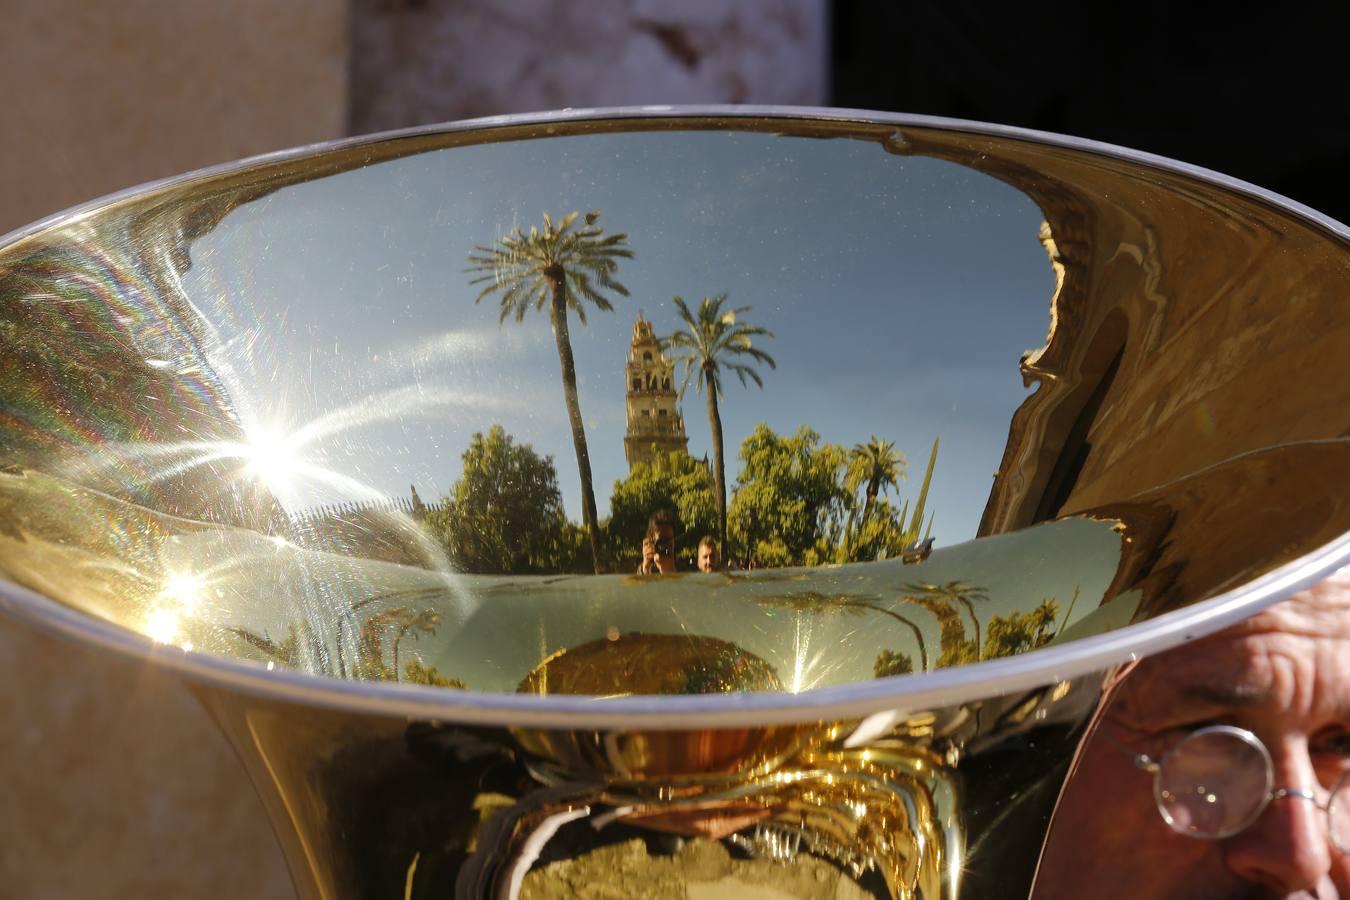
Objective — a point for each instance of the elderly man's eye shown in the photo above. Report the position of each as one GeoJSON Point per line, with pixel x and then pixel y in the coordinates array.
{"type": "Point", "coordinates": [1332, 741]}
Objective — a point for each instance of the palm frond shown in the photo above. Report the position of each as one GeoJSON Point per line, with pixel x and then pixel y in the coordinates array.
{"type": "Point", "coordinates": [518, 266]}
{"type": "Point", "coordinates": [743, 372]}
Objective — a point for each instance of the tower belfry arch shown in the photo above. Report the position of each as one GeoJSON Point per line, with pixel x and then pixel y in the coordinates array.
{"type": "Point", "coordinates": [655, 423]}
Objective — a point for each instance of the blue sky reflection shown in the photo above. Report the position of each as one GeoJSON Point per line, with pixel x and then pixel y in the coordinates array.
{"type": "Point", "coordinates": [902, 292]}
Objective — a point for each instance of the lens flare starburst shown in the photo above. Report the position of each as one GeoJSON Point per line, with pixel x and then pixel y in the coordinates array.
{"type": "Point", "coordinates": [272, 457]}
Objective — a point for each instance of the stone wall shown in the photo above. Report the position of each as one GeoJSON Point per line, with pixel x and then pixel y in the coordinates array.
{"type": "Point", "coordinates": [418, 62]}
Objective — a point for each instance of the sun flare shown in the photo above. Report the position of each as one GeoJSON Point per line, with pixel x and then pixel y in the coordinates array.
{"type": "Point", "coordinates": [272, 459]}
{"type": "Point", "coordinates": [162, 625]}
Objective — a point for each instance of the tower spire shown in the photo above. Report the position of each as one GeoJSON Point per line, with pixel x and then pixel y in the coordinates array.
{"type": "Point", "coordinates": [655, 425]}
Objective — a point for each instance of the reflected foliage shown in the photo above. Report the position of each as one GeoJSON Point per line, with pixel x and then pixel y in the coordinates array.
{"type": "Point", "coordinates": [948, 605]}
{"type": "Point", "coordinates": [674, 481]}
{"type": "Point", "coordinates": [800, 502]}
{"type": "Point", "coordinates": [505, 513]}
{"type": "Point", "coordinates": [375, 652]}
{"type": "Point", "coordinates": [416, 672]}
{"type": "Point", "coordinates": [889, 663]}
{"type": "Point", "coordinates": [789, 500]}
{"type": "Point", "coordinates": [882, 532]}
{"type": "Point", "coordinates": [1021, 632]}
{"type": "Point", "coordinates": [390, 627]}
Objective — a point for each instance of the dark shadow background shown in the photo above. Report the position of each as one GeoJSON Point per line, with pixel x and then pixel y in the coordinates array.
{"type": "Point", "coordinates": [1260, 94]}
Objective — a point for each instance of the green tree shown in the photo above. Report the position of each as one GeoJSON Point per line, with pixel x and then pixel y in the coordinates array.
{"type": "Point", "coordinates": [674, 481]}
{"type": "Point", "coordinates": [564, 266]}
{"type": "Point", "coordinates": [571, 549]}
{"type": "Point", "coordinates": [879, 466]}
{"type": "Point", "coordinates": [889, 662]}
{"type": "Point", "coordinates": [505, 513]}
{"type": "Point", "coordinates": [881, 532]}
{"type": "Point", "coordinates": [417, 672]}
{"type": "Point", "coordinates": [1020, 632]}
{"type": "Point", "coordinates": [712, 342]}
{"type": "Point", "coordinates": [787, 494]}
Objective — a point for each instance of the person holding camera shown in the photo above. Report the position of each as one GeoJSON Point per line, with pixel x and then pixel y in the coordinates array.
{"type": "Point", "coordinates": [658, 547]}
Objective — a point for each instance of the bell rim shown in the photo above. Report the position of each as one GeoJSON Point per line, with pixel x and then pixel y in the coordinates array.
{"type": "Point", "coordinates": [858, 700]}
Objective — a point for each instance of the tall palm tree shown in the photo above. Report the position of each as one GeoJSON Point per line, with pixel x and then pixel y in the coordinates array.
{"type": "Point", "coordinates": [711, 342]}
{"type": "Point", "coordinates": [960, 592]}
{"type": "Point", "coordinates": [878, 464]}
{"type": "Point", "coordinates": [563, 266]}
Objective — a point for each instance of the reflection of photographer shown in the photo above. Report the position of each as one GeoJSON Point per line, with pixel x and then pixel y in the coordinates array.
{"type": "Point", "coordinates": [658, 547]}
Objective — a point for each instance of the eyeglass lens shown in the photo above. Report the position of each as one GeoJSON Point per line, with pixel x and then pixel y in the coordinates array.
{"type": "Point", "coordinates": [1338, 814]}
{"type": "Point", "coordinates": [1216, 782]}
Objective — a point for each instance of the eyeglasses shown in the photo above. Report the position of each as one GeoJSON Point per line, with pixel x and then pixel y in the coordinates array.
{"type": "Point", "coordinates": [1218, 781]}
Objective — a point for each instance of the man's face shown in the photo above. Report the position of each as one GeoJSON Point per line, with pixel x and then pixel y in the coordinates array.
{"type": "Point", "coordinates": [664, 549]}
{"type": "Point", "coordinates": [706, 558]}
{"type": "Point", "coordinates": [1284, 675]}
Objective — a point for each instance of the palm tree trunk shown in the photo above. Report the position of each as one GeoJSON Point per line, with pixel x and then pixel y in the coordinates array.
{"type": "Point", "coordinates": [558, 316]}
{"type": "Point", "coordinates": [719, 469]}
{"type": "Point", "coordinates": [869, 499]}
{"type": "Point", "coordinates": [398, 640]}
{"type": "Point", "coordinates": [848, 529]}
{"type": "Point", "coordinates": [918, 635]}
{"type": "Point", "coordinates": [872, 490]}
{"type": "Point", "coordinates": [970, 610]}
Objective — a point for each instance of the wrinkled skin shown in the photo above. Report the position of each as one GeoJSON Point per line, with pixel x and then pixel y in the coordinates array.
{"type": "Point", "coordinates": [1284, 675]}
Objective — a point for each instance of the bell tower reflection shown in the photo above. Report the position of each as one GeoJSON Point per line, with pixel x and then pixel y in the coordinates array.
{"type": "Point", "coordinates": [655, 424]}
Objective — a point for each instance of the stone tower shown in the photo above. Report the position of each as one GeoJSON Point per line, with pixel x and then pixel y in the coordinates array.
{"type": "Point", "coordinates": [654, 420]}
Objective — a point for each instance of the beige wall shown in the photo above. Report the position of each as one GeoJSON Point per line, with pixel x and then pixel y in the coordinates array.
{"type": "Point", "coordinates": [116, 783]}
{"type": "Point", "coordinates": [101, 96]}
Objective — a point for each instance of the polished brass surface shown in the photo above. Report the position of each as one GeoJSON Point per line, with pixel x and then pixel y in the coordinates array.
{"type": "Point", "coordinates": [375, 806]}
{"type": "Point", "coordinates": [619, 664]}
{"type": "Point", "coordinates": [214, 393]}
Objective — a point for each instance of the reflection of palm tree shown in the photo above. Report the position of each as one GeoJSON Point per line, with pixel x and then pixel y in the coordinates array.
{"type": "Point", "coordinates": [878, 464]}
{"type": "Point", "coordinates": [369, 662]}
{"type": "Point", "coordinates": [960, 592]}
{"type": "Point", "coordinates": [710, 342]}
{"type": "Point", "coordinates": [951, 630]}
{"type": "Point", "coordinates": [562, 266]}
{"type": "Point", "coordinates": [847, 604]}
{"type": "Point", "coordinates": [286, 651]}
{"type": "Point", "coordinates": [425, 622]}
